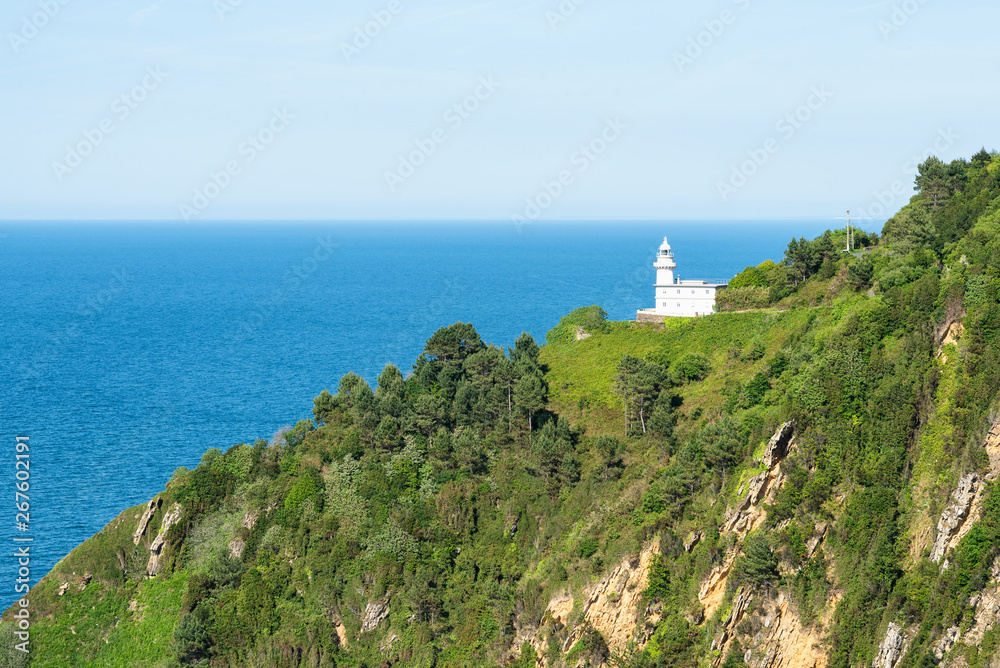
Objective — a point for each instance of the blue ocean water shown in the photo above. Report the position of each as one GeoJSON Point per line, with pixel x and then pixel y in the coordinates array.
{"type": "Point", "coordinates": [127, 350]}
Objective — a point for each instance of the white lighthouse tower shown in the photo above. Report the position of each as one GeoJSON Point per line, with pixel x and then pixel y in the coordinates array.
{"type": "Point", "coordinates": [665, 266]}
{"type": "Point", "coordinates": [677, 298]}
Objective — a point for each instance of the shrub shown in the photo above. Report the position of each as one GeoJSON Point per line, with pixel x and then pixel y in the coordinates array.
{"type": "Point", "coordinates": [593, 320]}
{"type": "Point", "coordinates": [588, 547]}
{"type": "Point", "coordinates": [690, 367]}
{"type": "Point", "coordinates": [739, 299]}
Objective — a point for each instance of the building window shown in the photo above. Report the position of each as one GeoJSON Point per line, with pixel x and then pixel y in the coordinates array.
{"type": "Point", "coordinates": [707, 292]}
{"type": "Point", "coordinates": [678, 292]}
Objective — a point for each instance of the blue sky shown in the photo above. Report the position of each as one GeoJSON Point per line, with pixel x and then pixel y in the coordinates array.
{"type": "Point", "coordinates": [221, 109]}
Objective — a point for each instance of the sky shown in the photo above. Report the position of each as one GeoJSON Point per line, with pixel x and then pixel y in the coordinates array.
{"type": "Point", "coordinates": [202, 110]}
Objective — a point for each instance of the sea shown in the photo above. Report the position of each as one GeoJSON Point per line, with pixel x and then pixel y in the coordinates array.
{"type": "Point", "coordinates": [130, 348]}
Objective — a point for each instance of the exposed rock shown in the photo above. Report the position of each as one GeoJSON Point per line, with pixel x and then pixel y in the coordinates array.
{"type": "Point", "coordinates": [735, 616]}
{"type": "Point", "coordinates": [386, 645]}
{"type": "Point", "coordinates": [713, 589]}
{"type": "Point", "coordinates": [63, 588]}
{"type": "Point", "coordinates": [745, 516]}
{"type": "Point", "coordinates": [892, 648]}
{"type": "Point", "coordinates": [954, 515]}
{"type": "Point", "coordinates": [151, 509]}
{"type": "Point", "coordinates": [817, 538]}
{"type": "Point", "coordinates": [581, 334]}
{"type": "Point", "coordinates": [236, 547]}
{"type": "Point", "coordinates": [777, 447]}
{"type": "Point", "coordinates": [947, 641]}
{"type": "Point", "coordinates": [250, 519]}
{"type": "Point", "coordinates": [952, 335]}
{"type": "Point", "coordinates": [84, 580]}
{"type": "Point", "coordinates": [987, 610]}
{"type": "Point", "coordinates": [155, 550]}
{"type": "Point", "coordinates": [692, 539]}
{"type": "Point", "coordinates": [992, 447]}
{"type": "Point", "coordinates": [559, 609]}
{"type": "Point", "coordinates": [609, 607]}
{"type": "Point", "coordinates": [780, 639]}
{"type": "Point", "coordinates": [338, 626]}
{"type": "Point", "coordinates": [374, 614]}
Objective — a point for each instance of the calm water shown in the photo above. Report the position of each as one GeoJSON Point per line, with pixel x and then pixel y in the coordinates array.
{"type": "Point", "coordinates": [128, 350]}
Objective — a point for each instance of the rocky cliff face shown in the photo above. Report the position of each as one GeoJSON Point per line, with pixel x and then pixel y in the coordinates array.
{"type": "Point", "coordinates": [611, 607]}
{"type": "Point", "coordinates": [765, 623]}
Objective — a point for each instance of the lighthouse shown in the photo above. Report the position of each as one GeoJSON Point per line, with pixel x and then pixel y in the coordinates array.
{"type": "Point", "coordinates": [665, 266]}
{"type": "Point", "coordinates": [677, 298]}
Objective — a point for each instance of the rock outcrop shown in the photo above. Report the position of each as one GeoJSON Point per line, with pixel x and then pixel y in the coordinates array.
{"type": "Point", "coordinates": [777, 447]}
{"type": "Point", "coordinates": [892, 648]}
{"type": "Point", "coordinates": [775, 636]}
{"type": "Point", "coordinates": [151, 509]}
{"type": "Point", "coordinates": [713, 589]}
{"type": "Point", "coordinates": [952, 335]}
{"type": "Point", "coordinates": [985, 607]}
{"type": "Point", "coordinates": [692, 540]}
{"type": "Point", "coordinates": [375, 612]}
{"type": "Point", "coordinates": [609, 607]}
{"type": "Point", "coordinates": [992, 447]}
{"type": "Point", "coordinates": [747, 515]}
{"type": "Point", "coordinates": [156, 549]}
{"type": "Point", "coordinates": [949, 527]}
{"type": "Point", "coordinates": [236, 547]}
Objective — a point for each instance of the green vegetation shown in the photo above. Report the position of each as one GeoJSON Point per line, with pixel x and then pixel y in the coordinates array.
{"type": "Point", "coordinates": [429, 521]}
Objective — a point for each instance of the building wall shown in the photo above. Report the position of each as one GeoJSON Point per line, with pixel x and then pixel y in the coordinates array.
{"type": "Point", "coordinates": [685, 300]}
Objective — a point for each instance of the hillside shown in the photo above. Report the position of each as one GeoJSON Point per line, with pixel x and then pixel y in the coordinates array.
{"type": "Point", "coordinates": [807, 479]}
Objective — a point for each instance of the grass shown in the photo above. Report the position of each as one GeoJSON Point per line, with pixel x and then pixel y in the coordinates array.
{"type": "Point", "coordinates": [581, 373]}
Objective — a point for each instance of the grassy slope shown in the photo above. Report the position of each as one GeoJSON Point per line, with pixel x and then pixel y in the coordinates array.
{"type": "Point", "coordinates": [581, 373]}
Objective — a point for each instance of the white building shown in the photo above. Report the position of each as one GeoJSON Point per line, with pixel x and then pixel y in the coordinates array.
{"type": "Point", "coordinates": [677, 298]}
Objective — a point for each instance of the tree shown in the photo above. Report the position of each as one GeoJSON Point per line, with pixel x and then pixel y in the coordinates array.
{"type": "Point", "coordinates": [936, 181]}
{"type": "Point", "coordinates": [323, 405]}
{"type": "Point", "coordinates": [428, 412]}
{"type": "Point", "coordinates": [751, 277]}
{"type": "Point", "coordinates": [758, 566]}
{"type": "Point", "coordinates": [530, 395]}
{"type": "Point", "coordinates": [861, 272]}
{"type": "Point", "coordinates": [803, 257]}
{"type": "Point", "coordinates": [453, 344]}
{"type": "Point", "coordinates": [525, 350]}
{"type": "Point", "coordinates": [638, 382]}
{"type": "Point", "coordinates": [390, 383]}
{"type": "Point", "coordinates": [191, 638]}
